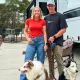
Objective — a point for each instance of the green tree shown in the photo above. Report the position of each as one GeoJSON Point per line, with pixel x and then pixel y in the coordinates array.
{"type": "Point", "coordinates": [16, 7]}
{"type": "Point", "coordinates": [23, 6]}
{"type": "Point", "coordinates": [12, 6]}
{"type": "Point", "coordinates": [11, 12]}
{"type": "Point", "coordinates": [3, 15]}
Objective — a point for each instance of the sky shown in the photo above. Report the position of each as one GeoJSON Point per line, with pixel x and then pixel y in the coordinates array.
{"type": "Point", "coordinates": [2, 1]}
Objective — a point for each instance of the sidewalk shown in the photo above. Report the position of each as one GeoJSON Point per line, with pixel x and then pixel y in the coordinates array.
{"type": "Point", "coordinates": [11, 59]}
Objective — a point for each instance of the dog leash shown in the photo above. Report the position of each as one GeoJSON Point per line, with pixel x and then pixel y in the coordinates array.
{"type": "Point", "coordinates": [51, 60]}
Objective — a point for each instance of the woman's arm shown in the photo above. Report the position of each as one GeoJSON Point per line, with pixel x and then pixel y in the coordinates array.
{"type": "Point", "coordinates": [26, 32]}
{"type": "Point", "coordinates": [45, 35]}
{"type": "Point", "coordinates": [45, 38]}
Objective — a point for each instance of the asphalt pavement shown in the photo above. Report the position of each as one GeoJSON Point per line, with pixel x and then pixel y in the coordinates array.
{"type": "Point", "coordinates": [12, 58]}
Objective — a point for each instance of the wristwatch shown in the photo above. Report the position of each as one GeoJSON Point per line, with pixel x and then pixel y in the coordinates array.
{"type": "Point", "coordinates": [54, 37]}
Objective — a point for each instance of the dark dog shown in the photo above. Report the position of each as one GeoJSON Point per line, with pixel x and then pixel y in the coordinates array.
{"type": "Point", "coordinates": [69, 72]}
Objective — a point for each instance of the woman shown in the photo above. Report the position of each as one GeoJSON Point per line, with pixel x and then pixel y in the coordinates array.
{"type": "Point", "coordinates": [36, 37]}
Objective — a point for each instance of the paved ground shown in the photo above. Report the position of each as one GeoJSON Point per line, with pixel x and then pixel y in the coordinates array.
{"type": "Point", "coordinates": [11, 59]}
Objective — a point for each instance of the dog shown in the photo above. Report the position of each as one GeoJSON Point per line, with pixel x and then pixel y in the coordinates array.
{"type": "Point", "coordinates": [34, 70]}
{"type": "Point", "coordinates": [70, 71]}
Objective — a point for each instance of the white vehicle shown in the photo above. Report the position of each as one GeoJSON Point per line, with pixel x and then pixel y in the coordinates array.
{"type": "Point", "coordinates": [73, 21]}
{"type": "Point", "coordinates": [61, 5]}
{"type": "Point", "coordinates": [72, 15]}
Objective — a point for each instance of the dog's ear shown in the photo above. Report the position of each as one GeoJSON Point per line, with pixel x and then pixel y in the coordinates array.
{"type": "Point", "coordinates": [74, 61]}
{"type": "Point", "coordinates": [68, 63]}
{"type": "Point", "coordinates": [30, 64]}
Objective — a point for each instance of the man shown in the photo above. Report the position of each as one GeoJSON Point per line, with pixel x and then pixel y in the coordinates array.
{"type": "Point", "coordinates": [56, 27]}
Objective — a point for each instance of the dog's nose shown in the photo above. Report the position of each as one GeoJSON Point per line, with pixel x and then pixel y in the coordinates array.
{"type": "Point", "coordinates": [76, 71]}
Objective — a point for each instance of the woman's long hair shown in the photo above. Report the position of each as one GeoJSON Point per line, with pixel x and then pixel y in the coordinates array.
{"type": "Point", "coordinates": [32, 14]}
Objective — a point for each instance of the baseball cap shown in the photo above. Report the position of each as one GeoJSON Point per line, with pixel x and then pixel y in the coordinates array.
{"type": "Point", "coordinates": [50, 2]}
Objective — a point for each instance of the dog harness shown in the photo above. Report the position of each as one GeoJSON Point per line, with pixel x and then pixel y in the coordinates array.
{"type": "Point", "coordinates": [38, 77]}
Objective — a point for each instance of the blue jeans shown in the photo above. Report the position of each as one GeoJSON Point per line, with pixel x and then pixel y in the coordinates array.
{"type": "Point", "coordinates": [32, 49]}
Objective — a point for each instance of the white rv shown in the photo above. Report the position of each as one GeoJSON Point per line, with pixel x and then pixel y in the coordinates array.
{"type": "Point", "coordinates": [73, 21]}
{"type": "Point", "coordinates": [71, 11]}
{"type": "Point", "coordinates": [72, 15]}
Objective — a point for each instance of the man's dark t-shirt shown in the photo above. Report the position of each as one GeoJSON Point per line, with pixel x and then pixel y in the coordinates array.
{"type": "Point", "coordinates": [55, 22]}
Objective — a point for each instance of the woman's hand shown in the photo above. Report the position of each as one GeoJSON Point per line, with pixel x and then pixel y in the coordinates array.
{"type": "Point", "coordinates": [30, 41]}
{"type": "Point", "coordinates": [45, 47]}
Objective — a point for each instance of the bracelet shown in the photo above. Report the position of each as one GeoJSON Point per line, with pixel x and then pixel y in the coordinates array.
{"type": "Point", "coordinates": [47, 44]}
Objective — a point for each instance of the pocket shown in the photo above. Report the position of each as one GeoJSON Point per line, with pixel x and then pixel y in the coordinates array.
{"type": "Point", "coordinates": [41, 40]}
{"type": "Point", "coordinates": [32, 40]}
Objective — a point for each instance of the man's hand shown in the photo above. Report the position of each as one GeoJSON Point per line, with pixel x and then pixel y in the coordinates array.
{"type": "Point", "coordinates": [51, 39]}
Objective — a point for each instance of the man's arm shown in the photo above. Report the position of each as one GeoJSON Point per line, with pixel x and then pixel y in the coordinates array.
{"type": "Point", "coordinates": [63, 26]}
{"type": "Point", "coordinates": [60, 33]}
